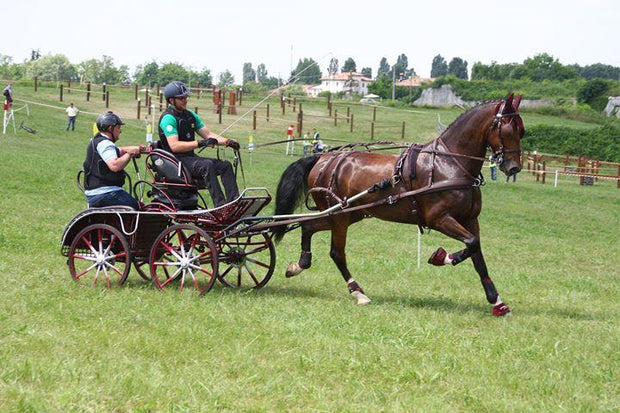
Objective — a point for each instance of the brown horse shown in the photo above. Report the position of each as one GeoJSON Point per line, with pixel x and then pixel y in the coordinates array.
{"type": "Point", "coordinates": [435, 186]}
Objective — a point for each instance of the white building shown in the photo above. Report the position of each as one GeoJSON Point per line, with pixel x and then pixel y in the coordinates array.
{"type": "Point", "coordinates": [348, 83]}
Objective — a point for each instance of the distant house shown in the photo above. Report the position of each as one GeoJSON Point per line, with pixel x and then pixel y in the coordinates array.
{"type": "Point", "coordinates": [349, 83]}
{"type": "Point", "coordinates": [414, 81]}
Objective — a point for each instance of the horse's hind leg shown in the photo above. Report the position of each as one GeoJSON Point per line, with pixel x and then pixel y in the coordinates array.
{"type": "Point", "coordinates": [337, 253]}
{"type": "Point", "coordinates": [454, 229]}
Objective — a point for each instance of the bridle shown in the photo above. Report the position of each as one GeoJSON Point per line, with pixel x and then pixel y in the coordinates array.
{"type": "Point", "coordinates": [501, 151]}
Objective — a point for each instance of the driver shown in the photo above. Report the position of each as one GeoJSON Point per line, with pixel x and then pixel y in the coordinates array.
{"type": "Point", "coordinates": [105, 163]}
{"type": "Point", "coordinates": [177, 129]}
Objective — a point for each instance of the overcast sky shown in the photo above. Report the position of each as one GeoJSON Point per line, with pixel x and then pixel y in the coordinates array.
{"type": "Point", "coordinates": [222, 35]}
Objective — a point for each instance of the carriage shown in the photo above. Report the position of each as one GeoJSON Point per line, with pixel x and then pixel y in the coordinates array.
{"type": "Point", "coordinates": [176, 239]}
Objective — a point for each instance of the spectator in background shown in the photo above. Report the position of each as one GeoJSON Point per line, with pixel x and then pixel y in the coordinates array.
{"type": "Point", "coordinates": [72, 113]}
{"type": "Point", "coordinates": [7, 92]}
{"type": "Point", "coordinates": [493, 167]}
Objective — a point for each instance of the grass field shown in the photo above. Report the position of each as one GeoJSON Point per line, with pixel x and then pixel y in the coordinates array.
{"type": "Point", "coordinates": [426, 343]}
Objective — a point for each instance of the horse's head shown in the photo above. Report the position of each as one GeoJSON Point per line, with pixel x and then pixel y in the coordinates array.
{"type": "Point", "coordinates": [505, 135]}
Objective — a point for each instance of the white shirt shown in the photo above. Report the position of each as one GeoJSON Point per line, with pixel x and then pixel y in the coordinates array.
{"type": "Point", "coordinates": [72, 111]}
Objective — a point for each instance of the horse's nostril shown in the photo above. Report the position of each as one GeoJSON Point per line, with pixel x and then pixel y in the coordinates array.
{"type": "Point", "coordinates": [514, 170]}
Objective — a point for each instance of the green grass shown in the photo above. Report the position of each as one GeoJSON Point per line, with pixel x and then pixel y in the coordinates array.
{"type": "Point", "coordinates": [426, 343]}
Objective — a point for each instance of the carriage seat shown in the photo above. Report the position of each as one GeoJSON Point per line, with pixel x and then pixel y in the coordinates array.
{"type": "Point", "coordinates": [173, 179]}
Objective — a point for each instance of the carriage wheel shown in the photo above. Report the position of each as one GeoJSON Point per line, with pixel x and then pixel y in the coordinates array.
{"type": "Point", "coordinates": [100, 254]}
{"type": "Point", "coordinates": [181, 254]}
{"type": "Point", "coordinates": [247, 261]}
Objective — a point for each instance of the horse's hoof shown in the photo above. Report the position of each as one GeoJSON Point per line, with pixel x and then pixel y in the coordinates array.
{"type": "Point", "coordinates": [361, 298]}
{"type": "Point", "coordinates": [501, 310]}
{"type": "Point", "coordinates": [438, 258]}
{"type": "Point", "coordinates": [293, 269]}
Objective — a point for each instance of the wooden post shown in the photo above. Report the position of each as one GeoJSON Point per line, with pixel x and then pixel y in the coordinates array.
{"type": "Point", "coordinates": [107, 100]}
{"type": "Point", "coordinates": [283, 108]}
{"type": "Point", "coordinates": [374, 113]}
{"type": "Point", "coordinates": [254, 121]}
{"type": "Point", "coordinates": [300, 122]}
{"type": "Point", "coordinates": [300, 108]}
{"type": "Point", "coordinates": [146, 98]}
{"type": "Point", "coordinates": [139, 103]}
{"type": "Point", "coordinates": [336, 117]}
{"type": "Point", "coordinates": [61, 86]}
{"type": "Point", "coordinates": [402, 134]}
{"type": "Point", "coordinates": [267, 112]}
{"type": "Point", "coordinates": [135, 91]}
{"type": "Point", "coordinates": [196, 109]}
{"type": "Point", "coordinates": [36, 83]}
{"type": "Point", "coordinates": [219, 113]}
{"type": "Point", "coordinates": [88, 93]}
{"type": "Point", "coordinates": [537, 172]}
{"type": "Point", "coordinates": [544, 171]}
{"type": "Point", "coordinates": [241, 97]}
{"type": "Point", "coordinates": [372, 130]}
{"type": "Point", "coordinates": [69, 86]}
{"type": "Point", "coordinates": [618, 181]}
{"type": "Point", "coordinates": [103, 93]}
{"type": "Point", "coordinates": [348, 113]}
{"type": "Point", "coordinates": [329, 108]}
{"type": "Point", "coordinates": [351, 123]}
{"type": "Point", "coordinates": [161, 101]}
{"type": "Point", "coordinates": [295, 104]}
{"type": "Point", "coordinates": [289, 100]}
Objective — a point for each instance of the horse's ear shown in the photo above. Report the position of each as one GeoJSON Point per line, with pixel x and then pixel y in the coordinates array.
{"type": "Point", "coordinates": [508, 104]}
{"type": "Point", "coordinates": [517, 102]}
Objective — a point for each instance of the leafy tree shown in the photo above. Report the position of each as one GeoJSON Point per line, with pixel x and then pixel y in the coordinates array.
{"type": "Point", "coordinates": [172, 71]}
{"type": "Point", "coordinates": [308, 72]}
{"type": "Point", "coordinates": [349, 65]}
{"type": "Point", "coordinates": [401, 67]}
{"type": "Point", "coordinates": [203, 77]}
{"type": "Point", "coordinates": [367, 71]}
{"type": "Point", "coordinates": [382, 86]}
{"type": "Point", "coordinates": [225, 79]}
{"type": "Point", "coordinates": [249, 74]}
{"type": "Point", "coordinates": [332, 69]}
{"type": "Point", "coordinates": [51, 67]}
{"type": "Point", "coordinates": [598, 70]}
{"type": "Point", "coordinates": [271, 82]}
{"type": "Point", "coordinates": [384, 68]}
{"type": "Point", "coordinates": [147, 75]}
{"type": "Point", "coordinates": [458, 68]}
{"type": "Point", "coordinates": [544, 66]}
{"type": "Point", "coordinates": [261, 73]}
{"type": "Point", "coordinates": [439, 66]}
{"type": "Point", "coordinates": [594, 93]}
{"type": "Point", "coordinates": [8, 69]}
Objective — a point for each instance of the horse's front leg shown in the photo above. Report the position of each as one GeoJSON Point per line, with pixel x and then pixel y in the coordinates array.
{"type": "Point", "coordinates": [305, 259]}
{"type": "Point", "coordinates": [452, 228]}
{"type": "Point", "coordinates": [338, 255]}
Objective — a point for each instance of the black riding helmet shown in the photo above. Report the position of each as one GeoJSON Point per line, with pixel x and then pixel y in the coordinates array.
{"type": "Point", "coordinates": [175, 89]}
{"type": "Point", "coordinates": [105, 120]}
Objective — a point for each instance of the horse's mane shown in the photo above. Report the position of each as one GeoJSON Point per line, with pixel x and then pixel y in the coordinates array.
{"type": "Point", "coordinates": [466, 114]}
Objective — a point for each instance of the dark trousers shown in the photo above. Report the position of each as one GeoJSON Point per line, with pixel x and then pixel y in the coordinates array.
{"type": "Point", "coordinates": [71, 122]}
{"type": "Point", "coordinates": [207, 170]}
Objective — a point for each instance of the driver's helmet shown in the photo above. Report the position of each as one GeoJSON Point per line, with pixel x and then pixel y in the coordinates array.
{"type": "Point", "coordinates": [105, 120]}
{"type": "Point", "coordinates": [175, 89]}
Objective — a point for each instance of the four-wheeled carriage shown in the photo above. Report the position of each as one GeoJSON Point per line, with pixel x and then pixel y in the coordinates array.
{"type": "Point", "coordinates": [174, 240]}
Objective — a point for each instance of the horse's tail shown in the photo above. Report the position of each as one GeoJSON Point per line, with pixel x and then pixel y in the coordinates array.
{"type": "Point", "coordinates": [292, 187]}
